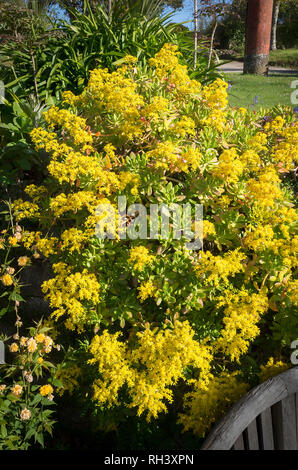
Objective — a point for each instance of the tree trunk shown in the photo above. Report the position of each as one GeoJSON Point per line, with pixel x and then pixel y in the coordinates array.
{"type": "Point", "coordinates": [195, 33]}
{"type": "Point", "coordinates": [211, 42]}
{"type": "Point", "coordinates": [257, 40]}
{"type": "Point", "coordinates": [274, 24]}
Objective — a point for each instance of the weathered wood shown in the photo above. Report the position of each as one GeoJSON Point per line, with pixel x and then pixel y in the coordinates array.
{"type": "Point", "coordinates": [284, 424]}
{"type": "Point", "coordinates": [253, 404]}
{"type": "Point", "coordinates": [265, 420]}
{"type": "Point", "coordinates": [239, 444]}
{"type": "Point", "coordinates": [252, 436]}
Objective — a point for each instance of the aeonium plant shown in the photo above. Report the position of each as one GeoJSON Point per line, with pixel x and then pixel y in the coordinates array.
{"type": "Point", "coordinates": [156, 317]}
{"type": "Point", "coordinates": [27, 390]}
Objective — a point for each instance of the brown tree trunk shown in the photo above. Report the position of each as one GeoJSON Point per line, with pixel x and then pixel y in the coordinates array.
{"type": "Point", "coordinates": [257, 40]}
{"type": "Point", "coordinates": [274, 24]}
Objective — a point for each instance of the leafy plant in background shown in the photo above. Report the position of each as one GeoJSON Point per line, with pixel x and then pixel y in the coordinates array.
{"type": "Point", "coordinates": [17, 158]}
{"type": "Point", "coordinates": [39, 59]}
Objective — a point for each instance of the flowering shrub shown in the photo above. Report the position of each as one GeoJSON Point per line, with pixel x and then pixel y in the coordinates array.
{"type": "Point", "coordinates": [11, 265]}
{"type": "Point", "coordinates": [24, 404]}
{"type": "Point", "coordinates": [153, 315]}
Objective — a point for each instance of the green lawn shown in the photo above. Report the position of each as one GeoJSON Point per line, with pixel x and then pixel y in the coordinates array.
{"type": "Point", "coordinates": [287, 58]}
{"type": "Point", "coordinates": [284, 58]}
{"type": "Point", "coordinates": [270, 91]}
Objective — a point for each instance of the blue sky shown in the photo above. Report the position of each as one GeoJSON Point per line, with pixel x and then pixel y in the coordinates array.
{"type": "Point", "coordinates": [179, 16]}
{"type": "Point", "coordinates": [185, 14]}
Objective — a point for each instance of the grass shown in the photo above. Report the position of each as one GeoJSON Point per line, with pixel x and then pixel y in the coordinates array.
{"type": "Point", "coordinates": [284, 58]}
{"type": "Point", "coordinates": [287, 58]}
{"type": "Point", "coordinates": [270, 91]}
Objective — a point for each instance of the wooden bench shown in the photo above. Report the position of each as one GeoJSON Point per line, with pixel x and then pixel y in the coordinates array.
{"type": "Point", "coordinates": [266, 418]}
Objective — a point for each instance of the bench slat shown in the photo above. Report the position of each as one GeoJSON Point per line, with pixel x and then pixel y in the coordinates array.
{"type": "Point", "coordinates": [239, 444]}
{"type": "Point", "coordinates": [265, 420]}
{"type": "Point", "coordinates": [284, 424]}
{"type": "Point", "coordinates": [252, 436]}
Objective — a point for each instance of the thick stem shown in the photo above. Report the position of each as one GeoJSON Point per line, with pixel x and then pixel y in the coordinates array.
{"type": "Point", "coordinates": [211, 43]}
{"type": "Point", "coordinates": [195, 32]}
{"type": "Point", "coordinates": [274, 24]}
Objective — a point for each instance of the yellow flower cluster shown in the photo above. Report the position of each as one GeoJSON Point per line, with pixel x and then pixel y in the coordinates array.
{"type": "Point", "coordinates": [73, 239]}
{"type": "Point", "coordinates": [140, 257]}
{"type": "Point", "coordinates": [175, 75]}
{"type": "Point", "coordinates": [156, 135]}
{"type": "Point", "coordinates": [6, 280]}
{"type": "Point", "coordinates": [68, 290]}
{"type": "Point", "coordinates": [36, 192]}
{"type": "Point", "coordinates": [229, 166]}
{"type": "Point", "coordinates": [217, 269]}
{"type": "Point", "coordinates": [259, 142]}
{"type": "Point", "coordinates": [185, 126]}
{"type": "Point", "coordinates": [25, 209]}
{"type": "Point", "coordinates": [75, 126]}
{"type": "Point", "coordinates": [205, 405]}
{"type": "Point", "coordinates": [215, 94]}
{"type": "Point", "coordinates": [242, 312]}
{"type": "Point", "coordinates": [149, 370]}
{"type": "Point", "coordinates": [272, 368]}
{"type": "Point", "coordinates": [147, 289]}
{"type": "Point", "coordinates": [157, 110]}
{"type": "Point", "coordinates": [292, 291]}
{"type": "Point", "coordinates": [46, 390]}
{"type": "Point", "coordinates": [167, 156]}
{"type": "Point", "coordinates": [216, 120]}
{"type": "Point", "coordinates": [265, 190]}
{"type": "Point", "coordinates": [285, 152]}
{"type": "Point", "coordinates": [73, 202]}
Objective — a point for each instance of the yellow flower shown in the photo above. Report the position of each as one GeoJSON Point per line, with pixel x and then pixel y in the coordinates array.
{"type": "Point", "coordinates": [31, 345]}
{"type": "Point", "coordinates": [17, 390]}
{"type": "Point", "coordinates": [25, 414]}
{"type": "Point", "coordinates": [7, 280]}
{"type": "Point", "coordinates": [147, 289]}
{"type": "Point", "coordinates": [67, 291]}
{"type": "Point", "coordinates": [46, 390]}
{"type": "Point", "coordinates": [242, 313]}
{"type": "Point", "coordinates": [48, 344]}
{"type": "Point", "coordinates": [40, 360]}
{"type": "Point", "coordinates": [150, 370]}
{"type": "Point", "coordinates": [40, 338]}
{"type": "Point", "coordinates": [215, 270]}
{"type": "Point", "coordinates": [23, 341]}
{"type": "Point", "coordinates": [13, 241]}
{"type": "Point", "coordinates": [23, 260]}
{"type": "Point", "coordinates": [208, 402]}
{"type": "Point", "coordinates": [139, 257]}
{"type": "Point", "coordinates": [14, 347]}
{"type": "Point", "coordinates": [272, 368]}
{"type": "Point", "coordinates": [229, 166]}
